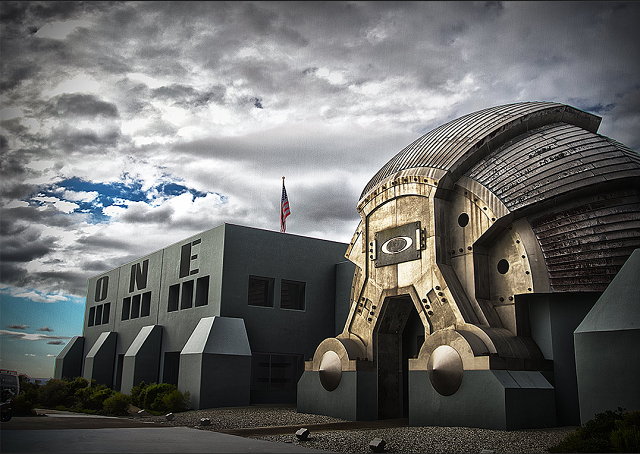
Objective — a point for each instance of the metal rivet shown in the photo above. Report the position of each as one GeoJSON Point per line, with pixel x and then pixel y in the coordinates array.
{"type": "Point", "coordinates": [511, 298]}
{"type": "Point", "coordinates": [424, 301]}
{"type": "Point", "coordinates": [437, 287]}
{"type": "Point", "coordinates": [523, 256]}
{"type": "Point", "coordinates": [518, 241]}
{"type": "Point", "coordinates": [461, 249]}
{"type": "Point", "coordinates": [444, 300]}
{"type": "Point", "coordinates": [469, 248]}
{"type": "Point", "coordinates": [430, 312]}
{"type": "Point", "coordinates": [373, 307]}
{"type": "Point", "coordinates": [369, 319]}
{"type": "Point", "coordinates": [526, 272]}
{"type": "Point", "coordinates": [501, 299]}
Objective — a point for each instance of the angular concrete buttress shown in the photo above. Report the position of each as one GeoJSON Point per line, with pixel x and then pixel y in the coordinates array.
{"type": "Point", "coordinates": [142, 359]}
{"type": "Point", "coordinates": [69, 361]}
{"type": "Point", "coordinates": [99, 363]}
{"type": "Point", "coordinates": [606, 343]}
{"type": "Point", "coordinates": [215, 364]}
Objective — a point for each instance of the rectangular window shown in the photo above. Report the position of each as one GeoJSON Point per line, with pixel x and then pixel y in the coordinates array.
{"type": "Point", "coordinates": [174, 293]}
{"type": "Point", "coordinates": [261, 291]}
{"type": "Point", "coordinates": [92, 315]}
{"type": "Point", "coordinates": [135, 306]}
{"type": "Point", "coordinates": [292, 295]}
{"type": "Point", "coordinates": [105, 313]}
{"type": "Point", "coordinates": [98, 315]}
{"type": "Point", "coordinates": [187, 295]}
{"type": "Point", "coordinates": [260, 371]}
{"type": "Point", "coordinates": [273, 372]}
{"type": "Point", "coordinates": [202, 291]}
{"type": "Point", "coordinates": [126, 308]}
{"type": "Point", "coordinates": [146, 304]}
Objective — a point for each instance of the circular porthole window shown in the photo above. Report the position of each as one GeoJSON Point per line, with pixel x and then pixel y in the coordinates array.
{"type": "Point", "coordinates": [503, 266]}
{"type": "Point", "coordinates": [463, 220]}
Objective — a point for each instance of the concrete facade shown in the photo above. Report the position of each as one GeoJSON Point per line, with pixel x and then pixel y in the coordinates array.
{"type": "Point", "coordinates": [229, 315]}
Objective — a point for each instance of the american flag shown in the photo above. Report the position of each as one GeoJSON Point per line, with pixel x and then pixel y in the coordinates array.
{"type": "Point", "coordinates": [284, 209]}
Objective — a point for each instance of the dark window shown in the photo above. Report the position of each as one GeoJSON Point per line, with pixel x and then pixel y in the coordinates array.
{"type": "Point", "coordinates": [187, 295]}
{"type": "Point", "coordinates": [202, 291]}
{"type": "Point", "coordinates": [463, 220]}
{"type": "Point", "coordinates": [135, 306]}
{"type": "Point", "coordinates": [146, 304]}
{"type": "Point", "coordinates": [272, 372]}
{"type": "Point", "coordinates": [105, 313]}
{"type": "Point", "coordinates": [126, 308]}
{"type": "Point", "coordinates": [292, 295]}
{"type": "Point", "coordinates": [503, 266]}
{"type": "Point", "coordinates": [260, 371]}
{"type": "Point", "coordinates": [92, 315]}
{"type": "Point", "coordinates": [260, 291]}
{"type": "Point", "coordinates": [174, 293]}
{"type": "Point", "coordinates": [98, 315]}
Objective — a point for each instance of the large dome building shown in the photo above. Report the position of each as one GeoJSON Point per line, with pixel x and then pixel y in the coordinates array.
{"type": "Point", "coordinates": [482, 246]}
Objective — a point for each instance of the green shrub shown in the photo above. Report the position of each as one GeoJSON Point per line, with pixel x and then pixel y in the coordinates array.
{"type": "Point", "coordinates": [154, 395]}
{"type": "Point", "coordinates": [175, 401]}
{"type": "Point", "coordinates": [21, 406]}
{"type": "Point", "coordinates": [626, 436]}
{"type": "Point", "coordinates": [98, 395]}
{"type": "Point", "coordinates": [137, 395]}
{"type": "Point", "coordinates": [116, 404]}
{"type": "Point", "coordinates": [610, 431]}
{"type": "Point", "coordinates": [55, 393]}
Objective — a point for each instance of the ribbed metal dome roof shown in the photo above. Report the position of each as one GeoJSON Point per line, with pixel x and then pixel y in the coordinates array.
{"type": "Point", "coordinates": [457, 145]}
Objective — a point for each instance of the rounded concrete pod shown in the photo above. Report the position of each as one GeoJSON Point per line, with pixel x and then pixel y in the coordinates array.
{"type": "Point", "coordinates": [333, 356]}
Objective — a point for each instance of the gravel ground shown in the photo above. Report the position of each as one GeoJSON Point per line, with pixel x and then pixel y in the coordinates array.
{"type": "Point", "coordinates": [398, 439]}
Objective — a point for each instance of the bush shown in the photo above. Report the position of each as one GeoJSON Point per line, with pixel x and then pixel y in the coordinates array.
{"type": "Point", "coordinates": [137, 395]}
{"type": "Point", "coordinates": [610, 431]}
{"type": "Point", "coordinates": [116, 404]}
{"type": "Point", "coordinates": [20, 406]}
{"type": "Point", "coordinates": [175, 401]}
{"type": "Point", "coordinates": [626, 436]}
{"type": "Point", "coordinates": [55, 393]}
{"type": "Point", "coordinates": [154, 395]}
{"type": "Point", "coordinates": [98, 395]}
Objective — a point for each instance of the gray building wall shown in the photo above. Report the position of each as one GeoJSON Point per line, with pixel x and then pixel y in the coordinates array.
{"type": "Point", "coordinates": [550, 319]}
{"type": "Point", "coordinates": [212, 269]}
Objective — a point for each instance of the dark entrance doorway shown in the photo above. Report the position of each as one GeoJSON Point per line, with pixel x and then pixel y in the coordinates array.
{"type": "Point", "coordinates": [399, 336]}
{"type": "Point", "coordinates": [171, 368]}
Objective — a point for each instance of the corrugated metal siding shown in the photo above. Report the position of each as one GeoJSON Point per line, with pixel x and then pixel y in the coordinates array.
{"type": "Point", "coordinates": [447, 144]}
{"type": "Point", "coordinates": [585, 246]}
{"type": "Point", "coordinates": [584, 242]}
{"type": "Point", "coordinates": [551, 161]}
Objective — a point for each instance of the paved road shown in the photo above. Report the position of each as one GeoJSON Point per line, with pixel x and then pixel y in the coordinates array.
{"type": "Point", "coordinates": [62, 432]}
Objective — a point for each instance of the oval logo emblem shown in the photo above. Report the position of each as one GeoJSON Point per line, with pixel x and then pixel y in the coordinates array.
{"type": "Point", "coordinates": [397, 245]}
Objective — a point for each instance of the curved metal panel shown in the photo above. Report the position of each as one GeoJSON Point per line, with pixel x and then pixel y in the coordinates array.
{"type": "Point", "coordinates": [450, 145]}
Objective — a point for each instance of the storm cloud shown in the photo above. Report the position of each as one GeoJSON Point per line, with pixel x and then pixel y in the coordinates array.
{"type": "Point", "coordinates": [127, 126]}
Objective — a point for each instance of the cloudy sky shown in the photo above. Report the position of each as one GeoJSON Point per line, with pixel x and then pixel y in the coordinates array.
{"type": "Point", "coordinates": [127, 126]}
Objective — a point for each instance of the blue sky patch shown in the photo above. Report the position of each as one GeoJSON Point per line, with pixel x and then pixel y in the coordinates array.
{"type": "Point", "coordinates": [109, 194]}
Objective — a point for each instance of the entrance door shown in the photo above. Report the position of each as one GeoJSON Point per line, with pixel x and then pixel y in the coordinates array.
{"type": "Point", "coordinates": [398, 335]}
